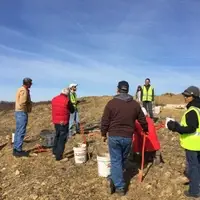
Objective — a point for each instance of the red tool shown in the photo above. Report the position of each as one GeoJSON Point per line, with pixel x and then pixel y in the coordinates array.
{"type": "Point", "coordinates": [159, 126]}
{"type": "Point", "coordinates": [140, 175]}
{"type": "Point", "coordinates": [39, 149]}
{"type": "Point", "coordinates": [82, 133]}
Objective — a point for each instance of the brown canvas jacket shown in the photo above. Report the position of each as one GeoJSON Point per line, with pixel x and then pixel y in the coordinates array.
{"type": "Point", "coordinates": [23, 100]}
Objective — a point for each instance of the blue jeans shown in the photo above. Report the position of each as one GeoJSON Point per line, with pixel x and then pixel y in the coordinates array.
{"type": "Point", "coordinates": [193, 160]}
{"type": "Point", "coordinates": [20, 132]}
{"type": "Point", "coordinates": [119, 148]}
{"type": "Point", "coordinates": [74, 118]}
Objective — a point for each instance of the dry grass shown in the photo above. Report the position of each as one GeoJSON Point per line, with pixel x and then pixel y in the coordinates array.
{"type": "Point", "coordinates": [169, 99]}
{"type": "Point", "coordinates": [41, 178]}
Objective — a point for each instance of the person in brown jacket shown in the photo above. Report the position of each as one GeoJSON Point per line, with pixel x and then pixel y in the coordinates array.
{"type": "Point", "coordinates": [23, 106]}
{"type": "Point", "coordinates": [118, 122]}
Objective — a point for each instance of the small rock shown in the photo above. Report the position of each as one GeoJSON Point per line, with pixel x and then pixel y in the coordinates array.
{"type": "Point", "coordinates": [3, 169]}
{"type": "Point", "coordinates": [148, 186]}
{"type": "Point", "coordinates": [24, 158]}
{"type": "Point", "coordinates": [64, 160]}
{"type": "Point", "coordinates": [179, 192]}
{"type": "Point", "coordinates": [33, 196]}
{"type": "Point", "coordinates": [167, 174]}
{"type": "Point", "coordinates": [43, 184]}
{"type": "Point", "coordinates": [173, 139]}
{"type": "Point", "coordinates": [124, 198]}
{"type": "Point", "coordinates": [14, 166]}
{"type": "Point", "coordinates": [8, 137]}
{"type": "Point", "coordinates": [33, 154]}
{"type": "Point", "coordinates": [17, 172]}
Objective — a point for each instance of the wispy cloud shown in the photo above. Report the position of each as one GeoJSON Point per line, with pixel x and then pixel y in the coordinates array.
{"type": "Point", "coordinates": [97, 45]}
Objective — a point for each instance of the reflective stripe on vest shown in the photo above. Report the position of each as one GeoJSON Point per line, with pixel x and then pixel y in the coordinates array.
{"type": "Point", "coordinates": [73, 99]}
{"type": "Point", "coordinates": [147, 94]}
{"type": "Point", "coordinates": [191, 141]}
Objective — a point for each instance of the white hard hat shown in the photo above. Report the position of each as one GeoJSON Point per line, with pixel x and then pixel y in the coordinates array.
{"type": "Point", "coordinates": [144, 111]}
{"type": "Point", "coordinates": [73, 85]}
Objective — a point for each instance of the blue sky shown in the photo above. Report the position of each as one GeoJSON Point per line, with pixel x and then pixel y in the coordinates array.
{"type": "Point", "coordinates": [98, 43]}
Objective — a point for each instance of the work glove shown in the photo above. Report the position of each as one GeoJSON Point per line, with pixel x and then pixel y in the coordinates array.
{"type": "Point", "coordinates": [172, 125]}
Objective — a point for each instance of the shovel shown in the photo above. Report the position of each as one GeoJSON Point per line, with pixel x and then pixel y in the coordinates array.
{"type": "Point", "coordinates": [82, 133]}
{"type": "Point", "coordinates": [140, 176]}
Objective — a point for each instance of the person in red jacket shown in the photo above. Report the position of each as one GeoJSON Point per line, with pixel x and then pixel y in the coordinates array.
{"type": "Point", "coordinates": [61, 109]}
{"type": "Point", "coordinates": [152, 145]}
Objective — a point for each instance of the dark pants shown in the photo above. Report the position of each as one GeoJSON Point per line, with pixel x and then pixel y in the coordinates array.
{"type": "Point", "coordinates": [60, 140]}
{"type": "Point", "coordinates": [119, 148]}
{"type": "Point", "coordinates": [20, 132]}
{"type": "Point", "coordinates": [149, 107]}
{"type": "Point", "coordinates": [193, 160]}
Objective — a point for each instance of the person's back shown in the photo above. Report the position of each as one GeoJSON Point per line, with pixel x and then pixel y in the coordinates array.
{"type": "Point", "coordinates": [123, 113]}
{"type": "Point", "coordinates": [60, 111]}
{"type": "Point", "coordinates": [23, 100]}
{"type": "Point", "coordinates": [118, 122]}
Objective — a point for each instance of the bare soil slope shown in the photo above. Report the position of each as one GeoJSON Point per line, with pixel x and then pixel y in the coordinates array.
{"type": "Point", "coordinates": [41, 177]}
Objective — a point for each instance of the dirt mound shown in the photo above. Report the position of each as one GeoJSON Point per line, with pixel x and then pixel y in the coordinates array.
{"type": "Point", "coordinates": [40, 177]}
{"type": "Point", "coordinates": [169, 98]}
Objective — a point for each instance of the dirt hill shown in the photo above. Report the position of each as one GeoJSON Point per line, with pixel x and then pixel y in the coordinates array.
{"type": "Point", "coordinates": [41, 177]}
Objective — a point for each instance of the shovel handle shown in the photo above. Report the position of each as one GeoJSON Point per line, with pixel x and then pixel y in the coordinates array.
{"type": "Point", "coordinates": [142, 162]}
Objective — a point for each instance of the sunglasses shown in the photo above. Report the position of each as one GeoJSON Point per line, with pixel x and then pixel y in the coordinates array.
{"type": "Point", "coordinates": [187, 96]}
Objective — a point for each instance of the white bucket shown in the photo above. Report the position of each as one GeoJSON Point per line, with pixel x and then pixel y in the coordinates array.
{"type": "Point", "coordinates": [167, 120]}
{"type": "Point", "coordinates": [157, 110]}
{"type": "Point", "coordinates": [104, 165]}
{"type": "Point", "coordinates": [13, 137]}
{"type": "Point", "coordinates": [80, 153]}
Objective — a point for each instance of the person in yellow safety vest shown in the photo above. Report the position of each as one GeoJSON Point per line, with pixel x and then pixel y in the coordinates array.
{"type": "Point", "coordinates": [74, 117]}
{"type": "Point", "coordinates": [189, 130]}
{"type": "Point", "coordinates": [147, 97]}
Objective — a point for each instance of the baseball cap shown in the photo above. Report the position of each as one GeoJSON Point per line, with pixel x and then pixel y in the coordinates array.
{"type": "Point", "coordinates": [123, 85]}
{"type": "Point", "coordinates": [27, 81]}
{"type": "Point", "coordinates": [192, 91]}
{"type": "Point", "coordinates": [73, 85]}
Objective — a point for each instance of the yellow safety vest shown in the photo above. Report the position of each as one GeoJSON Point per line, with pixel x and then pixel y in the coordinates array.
{"type": "Point", "coordinates": [73, 99]}
{"type": "Point", "coordinates": [191, 141]}
{"type": "Point", "coordinates": [147, 94]}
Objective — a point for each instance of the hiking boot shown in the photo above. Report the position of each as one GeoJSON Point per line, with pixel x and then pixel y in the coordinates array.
{"type": "Point", "coordinates": [120, 192]}
{"type": "Point", "coordinates": [20, 153]}
{"type": "Point", "coordinates": [187, 194]}
{"type": "Point", "coordinates": [111, 186]}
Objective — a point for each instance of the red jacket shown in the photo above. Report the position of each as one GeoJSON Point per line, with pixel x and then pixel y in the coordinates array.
{"type": "Point", "coordinates": [60, 109]}
{"type": "Point", "coordinates": [152, 143]}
